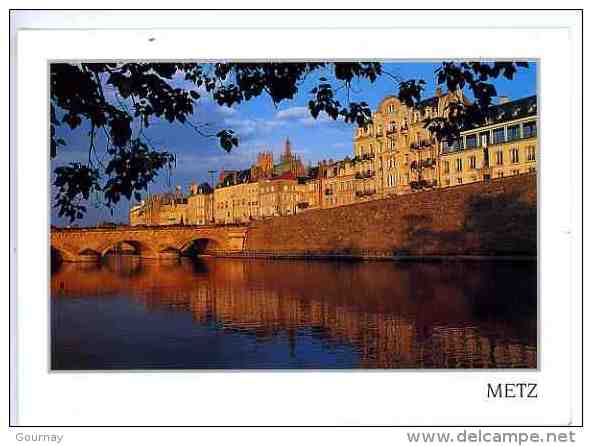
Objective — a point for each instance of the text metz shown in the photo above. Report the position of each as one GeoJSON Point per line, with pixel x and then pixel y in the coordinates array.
{"type": "Point", "coordinates": [512, 390]}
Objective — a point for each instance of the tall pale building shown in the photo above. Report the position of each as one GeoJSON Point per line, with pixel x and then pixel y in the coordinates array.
{"type": "Point", "coordinates": [506, 145]}
{"type": "Point", "coordinates": [200, 205]}
{"type": "Point", "coordinates": [397, 152]}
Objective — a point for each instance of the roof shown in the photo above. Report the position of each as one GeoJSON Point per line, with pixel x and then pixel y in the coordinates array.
{"type": "Point", "coordinates": [520, 108]}
{"type": "Point", "coordinates": [429, 102]}
{"type": "Point", "coordinates": [285, 176]}
{"type": "Point", "coordinates": [204, 188]}
{"type": "Point", "coordinates": [236, 177]}
{"type": "Point", "coordinates": [313, 172]}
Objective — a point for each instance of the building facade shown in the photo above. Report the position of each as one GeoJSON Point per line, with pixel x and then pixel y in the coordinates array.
{"type": "Point", "coordinates": [279, 196]}
{"type": "Point", "coordinates": [397, 153]}
{"type": "Point", "coordinates": [506, 145]}
{"type": "Point", "coordinates": [200, 205]}
{"type": "Point", "coordinates": [236, 203]}
{"type": "Point", "coordinates": [394, 155]}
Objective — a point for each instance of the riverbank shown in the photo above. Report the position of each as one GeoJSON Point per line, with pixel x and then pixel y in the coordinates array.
{"type": "Point", "coordinates": [489, 218]}
{"type": "Point", "coordinates": [370, 257]}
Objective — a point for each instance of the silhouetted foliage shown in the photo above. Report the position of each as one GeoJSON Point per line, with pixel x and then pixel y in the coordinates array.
{"type": "Point", "coordinates": [145, 92]}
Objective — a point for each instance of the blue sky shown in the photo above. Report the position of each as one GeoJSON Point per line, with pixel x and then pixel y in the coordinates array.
{"type": "Point", "coordinates": [261, 126]}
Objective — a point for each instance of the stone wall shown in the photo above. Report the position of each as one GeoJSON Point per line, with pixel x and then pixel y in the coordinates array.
{"type": "Point", "coordinates": [498, 217]}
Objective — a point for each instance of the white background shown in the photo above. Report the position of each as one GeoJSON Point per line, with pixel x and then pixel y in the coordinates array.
{"type": "Point", "coordinates": [309, 398]}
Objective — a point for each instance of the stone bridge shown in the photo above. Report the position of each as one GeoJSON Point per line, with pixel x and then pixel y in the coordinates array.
{"type": "Point", "coordinates": [89, 244]}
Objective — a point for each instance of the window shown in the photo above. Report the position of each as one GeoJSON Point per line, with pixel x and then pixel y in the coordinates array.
{"type": "Point", "coordinates": [500, 173]}
{"type": "Point", "coordinates": [531, 169]}
{"type": "Point", "coordinates": [499, 157]}
{"type": "Point", "coordinates": [484, 138]}
{"type": "Point", "coordinates": [515, 172]}
{"type": "Point", "coordinates": [530, 153]}
{"type": "Point", "coordinates": [514, 155]}
{"type": "Point", "coordinates": [471, 141]}
{"type": "Point", "coordinates": [459, 180]}
{"type": "Point", "coordinates": [473, 162]}
{"type": "Point", "coordinates": [452, 147]}
{"type": "Point", "coordinates": [513, 132]}
{"type": "Point", "coordinates": [529, 129]}
{"type": "Point", "coordinates": [446, 166]}
{"type": "Point", "coordinates": [459, 165]}
{"type": "Point", "coordinates": [498, 136]}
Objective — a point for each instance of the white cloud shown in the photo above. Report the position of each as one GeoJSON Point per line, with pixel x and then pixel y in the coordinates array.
{"type": "Point", "coordinates": [226, 111]}
{"type": "Point", "coordinates": [247, 128]}
{"type": "Point", "coordinates": [302, 116]}
{"type": "Point", "coordinates": [293, 113]}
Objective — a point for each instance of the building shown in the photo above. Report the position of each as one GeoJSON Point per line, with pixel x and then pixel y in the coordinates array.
{"type": "Point", "coordinates": [169, 208]}
{"type": "Point", "coordinates": [200, 205]}
{"type": "Point", "coordinates": [289, 162]}
{"type": "Point", "coordinates": [396, 152]}
{"type": "Point", "coordinates": [505, 145]}
{"type": "Point", "coordinates": [280, 195]}
{"type": "Point", "coordinates": [309, 190]}
{"type": "Point", "coordinates": [393, 155]}
{"type": "Point", "coordinates": [236, 198]}
{"type": "Point", "coordinates": [173, 208]}
{"type": "Point", "coordinates": [263, 168]}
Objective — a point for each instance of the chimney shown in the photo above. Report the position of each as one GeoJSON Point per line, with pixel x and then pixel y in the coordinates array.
{"type": "Point", "coordinates": [503, 100]}
{"type": "Point", "coordinates": [438, 92]}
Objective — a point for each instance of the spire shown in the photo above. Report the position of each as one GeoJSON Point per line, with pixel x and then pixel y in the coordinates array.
{"type": "Point", "coordinates": [288, 149]}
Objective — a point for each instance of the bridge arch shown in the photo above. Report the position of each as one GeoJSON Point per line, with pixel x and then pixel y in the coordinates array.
{"type": "Point", "coordinates": [62, 253]}
{"type": "Point", "coordinates": [201, 243]}
{"type": "Point", "coordinates": [142, 248]}
{"type": "Point", "coordinates": [81, 244]}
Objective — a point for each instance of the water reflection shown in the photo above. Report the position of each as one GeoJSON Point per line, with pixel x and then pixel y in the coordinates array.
{"type": "Point", "coordinates": [225, 313]}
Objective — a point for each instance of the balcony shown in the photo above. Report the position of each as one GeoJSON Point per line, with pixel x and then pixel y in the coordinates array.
{"type": "Point", "coordinates": [365, 193]}
{"type": "Point", "coordinates": [423, 184]}
{"type": "Point", "coordinates": [364, 175]}
{"type": "Point", "coordinates": [423, 164]}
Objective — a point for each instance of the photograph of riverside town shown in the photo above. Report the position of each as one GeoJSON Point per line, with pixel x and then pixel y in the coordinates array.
{"type": "Point", "coordinates": [301, 215]}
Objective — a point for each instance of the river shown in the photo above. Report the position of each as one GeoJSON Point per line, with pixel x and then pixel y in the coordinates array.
{"type": "Point", "coordinates": [213, 313]}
